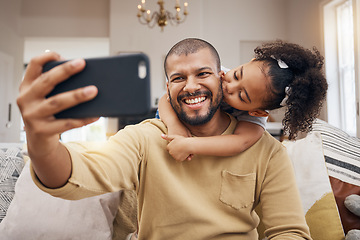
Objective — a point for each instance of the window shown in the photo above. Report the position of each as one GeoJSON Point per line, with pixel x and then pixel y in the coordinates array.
{"type": "Point", "coordinates": [341, 70]}
{"type": "Point", "coordinates": [345, 32]}
{"type": "Point", "coordinates": [95, 131]}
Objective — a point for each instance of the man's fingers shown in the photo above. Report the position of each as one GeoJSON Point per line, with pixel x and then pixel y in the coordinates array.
{"type": "Point", "coordinates": [62, 101]}
{"type": "Point", "coordinates": [48, 80]}
{"type": "Point", "coordinates": [35, 67]}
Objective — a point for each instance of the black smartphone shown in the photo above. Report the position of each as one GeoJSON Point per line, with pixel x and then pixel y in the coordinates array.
{"type": "Point", "coordinates": [123, 83]}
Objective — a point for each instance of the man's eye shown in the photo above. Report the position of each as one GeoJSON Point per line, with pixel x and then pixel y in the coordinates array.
{"type": "Point", "coordinates": [204, 74]}
{"type": "Point", "coordinates": [177, 79]}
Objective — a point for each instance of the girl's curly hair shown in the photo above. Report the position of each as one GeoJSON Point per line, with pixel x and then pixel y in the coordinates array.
{"type": "Point", "coordinates": [304, 78]}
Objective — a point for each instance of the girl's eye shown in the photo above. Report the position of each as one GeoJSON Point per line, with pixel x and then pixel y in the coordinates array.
{"type": "Point", "coordinates": [235, 77]}
{"type": "Point", "coordinates": [240, 96]}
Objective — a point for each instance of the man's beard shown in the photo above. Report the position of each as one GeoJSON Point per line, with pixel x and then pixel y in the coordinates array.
{"type": "Point", "coordinates": [198, 120]}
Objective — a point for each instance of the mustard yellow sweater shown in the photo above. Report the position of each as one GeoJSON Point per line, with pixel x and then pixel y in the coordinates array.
{"type": "Point", "coordinates": [205, 198]}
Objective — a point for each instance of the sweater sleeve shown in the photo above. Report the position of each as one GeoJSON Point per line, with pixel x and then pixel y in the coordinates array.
{"type": "Point", "coordinates": [283, 215]}
{"type": "Point", "coordinates": [98, 168]}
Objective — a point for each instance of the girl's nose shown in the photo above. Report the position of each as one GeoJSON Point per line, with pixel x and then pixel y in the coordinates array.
{"type": "Point", "coordinates": [225, 79]}
{"type": "Point", "coordinates": [231, 87]}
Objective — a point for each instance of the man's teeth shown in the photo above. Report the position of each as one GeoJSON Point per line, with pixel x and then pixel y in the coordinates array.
{"type": "Point", "coordinates": [195, 100]}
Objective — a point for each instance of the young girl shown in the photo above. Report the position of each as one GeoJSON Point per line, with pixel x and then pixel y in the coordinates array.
{"type": "Point", "coordinates": [292, 77]}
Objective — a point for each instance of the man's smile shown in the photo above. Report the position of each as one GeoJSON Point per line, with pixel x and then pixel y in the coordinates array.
{"type": "Point", "coordinates": [195, 100]}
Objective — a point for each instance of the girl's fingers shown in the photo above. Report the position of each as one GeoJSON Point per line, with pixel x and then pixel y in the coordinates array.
{"type": "Point", "coordinates": [167, 137]}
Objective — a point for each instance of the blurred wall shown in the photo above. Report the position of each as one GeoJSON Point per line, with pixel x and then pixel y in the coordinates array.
{"type": "Point", "coordinates": [65, 18]}
{"type": "Point", "coordinates": [11, 44]}
{"type": "Point", "coordinates": [226, 24]}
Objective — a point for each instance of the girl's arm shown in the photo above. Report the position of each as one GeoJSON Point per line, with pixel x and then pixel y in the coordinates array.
{"type": "Point", "coordinates": [169, 117]}
{"type": "Point", "coordinates": [246, 134]}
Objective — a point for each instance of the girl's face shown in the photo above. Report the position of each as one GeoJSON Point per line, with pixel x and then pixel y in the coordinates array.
{"type": "Point", "coordinates": [244, 87]}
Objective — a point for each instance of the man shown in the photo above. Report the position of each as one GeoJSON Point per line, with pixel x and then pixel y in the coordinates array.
{"type": "Point", "coordinates": [206, 198]}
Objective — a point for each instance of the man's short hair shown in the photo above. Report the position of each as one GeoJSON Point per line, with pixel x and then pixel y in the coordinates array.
{"type": "Point", "coordinates": [192, 45]}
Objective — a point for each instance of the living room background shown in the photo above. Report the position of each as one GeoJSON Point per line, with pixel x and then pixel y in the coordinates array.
{"type": "Point", "coordinates": [232, 26]}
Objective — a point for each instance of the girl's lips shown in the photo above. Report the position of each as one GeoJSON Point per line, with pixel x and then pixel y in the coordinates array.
{"type": "Point", "coordinates": [224, 85]}
{"type": "Point", "coordinates": [225, 90]}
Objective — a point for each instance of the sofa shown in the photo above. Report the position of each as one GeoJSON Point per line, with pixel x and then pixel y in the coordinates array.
{"type": "Point", "coordinates": [326, 163]}
{"type": "Point", "coordinates": [28, 213]}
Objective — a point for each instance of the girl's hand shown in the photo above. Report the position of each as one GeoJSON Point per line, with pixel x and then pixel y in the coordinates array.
{"type": "Point", "coordinates": [178, 147]}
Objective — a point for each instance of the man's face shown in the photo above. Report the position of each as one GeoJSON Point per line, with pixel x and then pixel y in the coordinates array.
{"type": "Point", "coordinates": [194, 86]}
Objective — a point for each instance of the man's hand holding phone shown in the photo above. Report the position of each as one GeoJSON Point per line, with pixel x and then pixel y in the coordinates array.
{"type": "Point", "coordinates": [57, 95]}
{"type": "Point", "coordinates": [42, 128]}
{"type": "Point", "coordinates": [37, 110]}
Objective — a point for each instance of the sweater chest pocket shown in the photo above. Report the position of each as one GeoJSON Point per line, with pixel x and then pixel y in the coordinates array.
{"type": "Point", "coordinates": [237, 191]}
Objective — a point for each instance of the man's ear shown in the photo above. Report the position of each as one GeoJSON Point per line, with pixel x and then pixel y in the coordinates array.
{"type": "Point", "coordinates": [221, 74]}
{"type": "Point", "coordinates": [258, 113]}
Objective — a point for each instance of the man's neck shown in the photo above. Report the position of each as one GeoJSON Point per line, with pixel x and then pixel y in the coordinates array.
{"type": "Point", "coordinates": [216, 126]}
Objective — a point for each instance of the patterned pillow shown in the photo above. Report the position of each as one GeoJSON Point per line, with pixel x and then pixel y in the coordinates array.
{"type": "Point", "coordinates": [11, 164]}
{"type": "Point", "coordinates": [342, 156]}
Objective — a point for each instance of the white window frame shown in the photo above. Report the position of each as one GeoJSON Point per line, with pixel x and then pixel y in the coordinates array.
{"type": "Point", "coordinates": [356, 7]}
{"type": "Point", "coordinates": [334, 108]}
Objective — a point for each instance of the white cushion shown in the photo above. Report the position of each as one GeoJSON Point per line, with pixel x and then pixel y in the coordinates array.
{"type": "Point", "coordinates": [36, 215]}
{"type": "Point", "coordinates": [314, 186]}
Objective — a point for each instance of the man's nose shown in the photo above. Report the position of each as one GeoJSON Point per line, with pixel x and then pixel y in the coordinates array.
{"type": "Point", "coordinates": [192, 85]}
